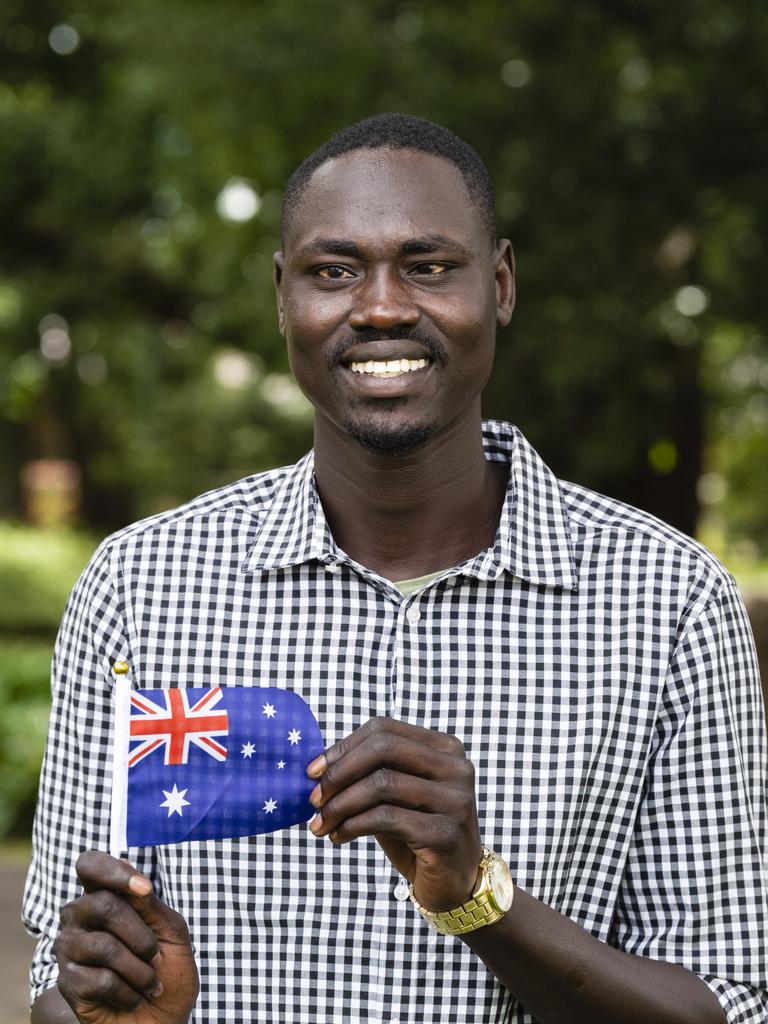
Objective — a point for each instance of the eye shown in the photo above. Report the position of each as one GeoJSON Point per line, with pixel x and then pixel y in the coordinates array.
{"type": "Point", "coordinates": [432, 269]}
{"type": "Point", "coordinates": [332, 272]}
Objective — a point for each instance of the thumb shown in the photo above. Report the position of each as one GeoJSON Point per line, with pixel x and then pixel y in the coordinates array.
{"type": "Point", "coordinates": [167, 925]}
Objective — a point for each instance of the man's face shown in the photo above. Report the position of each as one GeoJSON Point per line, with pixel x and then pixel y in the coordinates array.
{"type": "Point", "coordinates": [389, 295]}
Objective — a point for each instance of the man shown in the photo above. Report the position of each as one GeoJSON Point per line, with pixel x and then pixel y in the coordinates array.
{"type": "Point", "coordinates": [528, 691]}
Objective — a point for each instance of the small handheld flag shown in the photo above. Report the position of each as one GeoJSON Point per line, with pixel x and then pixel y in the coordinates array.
{"type": "Point", "coordinates": [209, 763]}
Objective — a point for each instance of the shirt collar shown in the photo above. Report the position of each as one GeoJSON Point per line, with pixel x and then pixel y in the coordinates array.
{"type": "Point", "coordinates": [532, 542]}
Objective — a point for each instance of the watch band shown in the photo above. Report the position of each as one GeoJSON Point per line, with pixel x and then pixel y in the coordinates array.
{"type": "Point", "coordinates": [478, 911]}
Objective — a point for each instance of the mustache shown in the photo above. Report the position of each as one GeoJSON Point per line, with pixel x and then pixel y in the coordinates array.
{"type": "Point", "coordinates": [433, 345]}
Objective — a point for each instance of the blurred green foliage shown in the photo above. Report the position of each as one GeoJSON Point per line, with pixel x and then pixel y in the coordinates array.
{"type": "Point", "coordinates": [628, 145]}
{"type": "Point", "coordinates": [24, 671]}
{"type": "Point", "coordinates": [37, 571]}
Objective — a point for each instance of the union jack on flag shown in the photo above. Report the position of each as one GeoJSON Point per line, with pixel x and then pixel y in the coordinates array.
{"type": "Point", "coordinates": [175, 724]}
{"type": "Point", "coordinates": [212, 763]}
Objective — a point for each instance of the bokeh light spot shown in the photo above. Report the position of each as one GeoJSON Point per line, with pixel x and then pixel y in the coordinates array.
{"type": "Point", "coordinates": [63, 39]}
{"type": "Point", "coordinates": [516, 73]}
{"type": "Point", "coordinates": [238, 201]}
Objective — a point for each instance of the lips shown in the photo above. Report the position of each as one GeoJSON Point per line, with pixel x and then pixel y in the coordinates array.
{"type": "Point", "coordinates": [385, 351]}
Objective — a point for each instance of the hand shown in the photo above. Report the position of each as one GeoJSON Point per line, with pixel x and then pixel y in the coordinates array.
{"type": "Point", "coordinates": [124, 956]}
{"type": "Point", "coordinates": [414, 790]}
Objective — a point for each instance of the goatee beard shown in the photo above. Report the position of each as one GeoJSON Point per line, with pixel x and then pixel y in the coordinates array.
{"type": "Point", "coordinates": [396, 441]}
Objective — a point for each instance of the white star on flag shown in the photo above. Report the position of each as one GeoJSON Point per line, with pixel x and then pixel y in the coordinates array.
{"type": "Point", "coordinates": [294, 736]}
{"type": "Point", "coordinates": [269, 711]}
{"type": "Point", "coordinates": [248, 750]}
{"type": "Point", "coordinates": [175, 800]}
{"type": "Point", "coordinates": [270, 806]}
{"type": "Point", "coordinates": [281, 764]}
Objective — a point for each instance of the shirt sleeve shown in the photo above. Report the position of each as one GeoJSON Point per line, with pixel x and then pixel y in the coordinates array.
{"type": "Point", "coordinates": [73, 809]}
{"type": "Point", "coordinates": [695, 889]}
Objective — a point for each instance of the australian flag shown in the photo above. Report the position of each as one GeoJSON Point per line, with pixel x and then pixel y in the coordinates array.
{"type": "Point", "coordinates": [211, 763]}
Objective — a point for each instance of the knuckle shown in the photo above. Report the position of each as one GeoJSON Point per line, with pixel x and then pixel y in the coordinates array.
{"type": "Point", "coordinates": [457, 746]}
{"type": "Point", "coordinates": [385, 815]}
{"type": "Point", "coordinates": [382, 781]}
{"type": "Point", "coordinates": [467, 770]}
{"type": "Point", "coordinates": [105, 905]}
{"type": "Point", "coordinates": [382, 744]}
{"type": "Point", "coordinates": [105, 947]}
{"type": "Point", "coordinates": [103, 981]}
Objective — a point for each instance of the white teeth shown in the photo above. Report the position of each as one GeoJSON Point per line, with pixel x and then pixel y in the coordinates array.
{"type": "Point", "coordinates": [390, 368]}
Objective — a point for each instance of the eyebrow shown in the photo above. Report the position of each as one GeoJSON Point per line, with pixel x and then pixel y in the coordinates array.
{"type": "Point", "coordinates": [422, 245]}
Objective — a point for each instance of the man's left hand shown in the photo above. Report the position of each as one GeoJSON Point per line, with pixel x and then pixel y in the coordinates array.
{"type": "Point", "coordinates": [414, 790]}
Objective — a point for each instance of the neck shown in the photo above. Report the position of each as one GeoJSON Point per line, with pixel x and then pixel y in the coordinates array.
{"type": "Point", "coordinates": [406, 516]}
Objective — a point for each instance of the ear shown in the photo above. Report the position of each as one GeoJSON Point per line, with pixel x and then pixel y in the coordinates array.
{"type": "Point", "coordinates": [505, 281]}
{"type": "Point", "coordinates": [278, 263]}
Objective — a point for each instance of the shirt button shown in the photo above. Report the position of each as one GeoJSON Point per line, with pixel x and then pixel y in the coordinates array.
{"type": "Point", "coordinates": [333, 567]}
{"type": "Point", "coordinates": [413, 615]}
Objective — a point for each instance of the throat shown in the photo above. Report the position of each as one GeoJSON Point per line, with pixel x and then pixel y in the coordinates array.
{"type": "Point", "coordinates": [403, 527]}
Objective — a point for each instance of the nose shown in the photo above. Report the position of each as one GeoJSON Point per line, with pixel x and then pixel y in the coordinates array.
{"type": "Point", "coordinates": [383, 302]}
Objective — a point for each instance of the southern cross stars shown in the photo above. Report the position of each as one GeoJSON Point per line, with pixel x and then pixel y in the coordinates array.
{"type": "Point", "coordinates": [175, 800]}
{"type": "Point", "coordinates": [269, 711]}
{"type": "Point", "coordinates": [270, 806]}
{"type": "Point", "coordinates": [294, 736]}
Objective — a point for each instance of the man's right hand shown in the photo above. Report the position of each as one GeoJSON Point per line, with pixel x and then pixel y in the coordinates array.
{"type": "Point", "coordinates": [124, 956]}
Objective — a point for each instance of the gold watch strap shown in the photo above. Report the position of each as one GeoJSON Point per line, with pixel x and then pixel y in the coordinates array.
{"type": "Point", "coordinates": [475, 913]}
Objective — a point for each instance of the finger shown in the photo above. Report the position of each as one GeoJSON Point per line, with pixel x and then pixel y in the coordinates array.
{"type": "Point", "coordinates": [391, 787]}
{"type": "Point", "coordinates": [398, 752]}
{"type": "Point", "coordinates": [105, 911]}
{"type": "Point", "coordinates": [102, 949]}
{"type": "Point", "coordinates": [444, 742]}
{"type": "Point", "coordinates": [420, 832]}
{"type": "Point", "coordinates": [97, 870]}
{"type": "Point", "coordinates": [89, 988]}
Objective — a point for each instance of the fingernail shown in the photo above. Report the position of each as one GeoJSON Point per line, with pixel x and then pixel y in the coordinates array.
{"type": "Point", "coordinates": [316, 797]}
{"type": "Point", "coordinates": [140, 885]}
{"type": "Point", "coordinates": [316, 824]}
{"type": "Point", "coordinates": [158, 989]}
{"type": "Point", "coordinates": [317, 767]}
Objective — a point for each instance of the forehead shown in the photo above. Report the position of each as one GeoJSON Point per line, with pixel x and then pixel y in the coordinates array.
{"type": "Point", "coordinates": [383, 193]}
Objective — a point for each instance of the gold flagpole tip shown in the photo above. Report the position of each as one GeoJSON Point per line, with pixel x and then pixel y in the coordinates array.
{"type": "Point", "coordinates": [120, 668]}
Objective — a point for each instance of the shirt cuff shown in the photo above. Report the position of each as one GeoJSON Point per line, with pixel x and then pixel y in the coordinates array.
{"type": "Point", "coordinates": [743, 1004]}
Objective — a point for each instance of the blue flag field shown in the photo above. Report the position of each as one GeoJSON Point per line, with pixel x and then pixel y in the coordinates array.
{"type": "Point", "coordinates": [213, 763]}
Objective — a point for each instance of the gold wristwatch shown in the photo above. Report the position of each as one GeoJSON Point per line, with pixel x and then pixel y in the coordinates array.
{"type": "Point", "coordinates": [490, 901]}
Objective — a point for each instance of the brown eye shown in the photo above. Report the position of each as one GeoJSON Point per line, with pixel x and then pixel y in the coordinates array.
{"type": "Point", "coordinates": [432, 269]}
{"type": "Point", "coordinates": [332, 273]}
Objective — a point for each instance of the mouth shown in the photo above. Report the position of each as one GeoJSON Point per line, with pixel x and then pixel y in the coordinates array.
{"type": "Point", "coordinates": [397, 361]}
{"type": "Point", "coordinates": [384, 369]}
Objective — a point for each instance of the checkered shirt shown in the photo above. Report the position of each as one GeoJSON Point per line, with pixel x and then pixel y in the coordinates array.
{"type": "Point", "coordinates": [596, 664]}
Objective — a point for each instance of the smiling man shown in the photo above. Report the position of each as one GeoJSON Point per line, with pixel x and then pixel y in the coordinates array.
{"type": "Point", "coordinates": [543, 795]}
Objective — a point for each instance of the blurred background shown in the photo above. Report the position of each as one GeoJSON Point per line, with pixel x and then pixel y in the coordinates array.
{"type": "Point", "coordinates": [143, 149]}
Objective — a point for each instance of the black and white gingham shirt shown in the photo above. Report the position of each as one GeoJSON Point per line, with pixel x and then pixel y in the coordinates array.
{"type": "Point", "coordinates": [596, 664]}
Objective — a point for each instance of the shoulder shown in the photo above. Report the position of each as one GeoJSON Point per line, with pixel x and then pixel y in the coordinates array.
{"type": "Point", "coordinates": [602, 524]}
{"type": "Point", "coordinates": [235, 504]}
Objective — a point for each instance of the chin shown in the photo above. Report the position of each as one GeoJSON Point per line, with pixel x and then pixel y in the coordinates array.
{"type": "Point", "coordinates": [383, 439]}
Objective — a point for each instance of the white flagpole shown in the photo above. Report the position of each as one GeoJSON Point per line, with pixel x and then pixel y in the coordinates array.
{"type": "Point", "coordinates": [120, 745]}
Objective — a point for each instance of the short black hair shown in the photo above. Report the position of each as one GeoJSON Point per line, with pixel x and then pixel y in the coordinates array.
{"type": "Point", "coordinates": [399, 131]}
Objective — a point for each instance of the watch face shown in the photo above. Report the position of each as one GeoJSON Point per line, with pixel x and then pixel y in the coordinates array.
{"type": "Point", "coordinates": [501, 884]}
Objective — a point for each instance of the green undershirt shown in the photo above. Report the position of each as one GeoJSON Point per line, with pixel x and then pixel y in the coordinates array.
{"type": "Point", "coordinates": [408, 586]}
